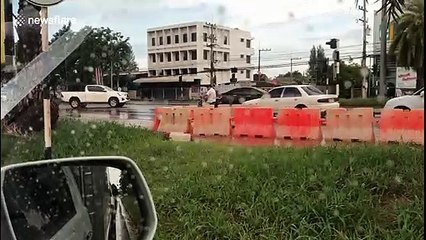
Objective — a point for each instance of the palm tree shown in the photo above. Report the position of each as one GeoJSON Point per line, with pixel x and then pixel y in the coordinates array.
{"type": "Point", "coordinates": [408, 45]}
{"type": "Point", "coordinates": [393, 7]}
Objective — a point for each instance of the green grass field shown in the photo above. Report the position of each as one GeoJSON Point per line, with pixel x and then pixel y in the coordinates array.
{"type": "Point", "coordinates": [213, 191]}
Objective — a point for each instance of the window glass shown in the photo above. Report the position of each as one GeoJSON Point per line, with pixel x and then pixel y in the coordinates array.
{"type": "Point", "coordinates": [276, 93]}
{"type": "Point", "coordinates": [291, 92]}
{"type": "Point", "coordinates": [39, 202]}
{"type": "Point", "coordinates": [310, 90]}
{"type": "Point", "coordinates": [95, 89]}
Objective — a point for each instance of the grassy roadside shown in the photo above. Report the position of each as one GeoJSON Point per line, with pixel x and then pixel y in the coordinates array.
{"type": "Point", "coordinates": [359, 102]}
{"type": "Point", "coordinates": [212, 191]}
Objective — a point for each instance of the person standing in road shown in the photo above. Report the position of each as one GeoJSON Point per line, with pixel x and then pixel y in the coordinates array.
{"type": "Point", "coordinates": [211, 96]}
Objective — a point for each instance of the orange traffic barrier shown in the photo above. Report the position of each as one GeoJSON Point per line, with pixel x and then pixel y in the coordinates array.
{"type": "Point", "coordinates": [350, 125]}
{"type": "Point", "coordinates": [157, 119]}
{"type": "Point", "coordinates": [174, 119]}
{"type": "Point", "coordinates": [397, 125]}
{"type": "Point", "coordinates": [211, 121]}
{"type": "Point", "coordinates": [299, 124]}
{"type": "Point", "coordinates": [253, 122]}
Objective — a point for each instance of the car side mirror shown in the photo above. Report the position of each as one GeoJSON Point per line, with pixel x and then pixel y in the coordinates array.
{"type": "Point", "coordinates": [76, 198]}
{"type": "Point", "coordinates": [422, 94]}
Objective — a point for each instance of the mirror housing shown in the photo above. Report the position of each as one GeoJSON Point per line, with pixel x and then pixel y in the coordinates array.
{"type": "Point", "coordinates": [136, 182]}
{"type": "Point", "coordinates": [422, 93]}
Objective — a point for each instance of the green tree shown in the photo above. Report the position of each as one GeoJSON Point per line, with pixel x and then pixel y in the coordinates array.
{"type": "Point", "coordinates": [312, 70]}
{"type": "Point", "coordinates": [61, 32]}
{"type": "Point", "coordinates": [298, 78]}
{"type": "Point", "coordinates": [349, 77]}
{"type": "Point", "coordinates": [101, 49]}
{"type": "Point", "coordinates": [322, 66]}
{"type": "Point", "coordinates": [393, 7]}
{"type": "Point", "coordinates": [408, 46]}
{"type": "Point", "coordinates": [318, 68]}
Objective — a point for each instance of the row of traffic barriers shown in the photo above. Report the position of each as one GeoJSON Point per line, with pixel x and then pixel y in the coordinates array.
{"type": "Point", "coordinates": [341, 124]}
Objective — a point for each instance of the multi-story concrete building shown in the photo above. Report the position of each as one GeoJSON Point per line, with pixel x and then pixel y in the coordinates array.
{"type": "Point", "coordinates": [184, 50]}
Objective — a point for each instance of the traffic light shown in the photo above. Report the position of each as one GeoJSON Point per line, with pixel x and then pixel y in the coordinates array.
{"type": "Point", "coordinates": [336, 56]}
{"type": "Point", "coordinates": [332, 43]}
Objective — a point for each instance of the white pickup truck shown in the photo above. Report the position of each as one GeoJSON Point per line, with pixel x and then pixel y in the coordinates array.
{"type": "Point", "coordinates": [95, 94]}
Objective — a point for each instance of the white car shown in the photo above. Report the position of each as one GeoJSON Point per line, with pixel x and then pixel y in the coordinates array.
{"type": "Point", "coordinates": [95, 94]}
{"type": "Point", "coordinates": [296, 96]}
{"type": "Point", "coordinates": [408, 102]}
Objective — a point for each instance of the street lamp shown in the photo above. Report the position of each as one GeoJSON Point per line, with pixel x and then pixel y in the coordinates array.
{"type": "Point", "coordinates": [258, 65]}
{"type": "Point", "coordinates": [291, 67]}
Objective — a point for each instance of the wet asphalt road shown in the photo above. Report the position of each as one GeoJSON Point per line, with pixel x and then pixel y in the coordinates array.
{"type": "Point", "coordinates": [130, 114]}
{"type": "Point", "coordinates": [137, 114]}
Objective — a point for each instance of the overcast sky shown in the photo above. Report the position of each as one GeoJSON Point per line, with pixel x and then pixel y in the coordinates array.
{"type": "Point", "coordinates": [288, 27]}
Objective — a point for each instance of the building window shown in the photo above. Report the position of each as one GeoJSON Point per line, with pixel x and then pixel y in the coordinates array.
{"type": "Point", "coordinates": [248, 74]}
{"type": "Point", "coordinates": [225, 57]}
{"type": "Point", "coordinates": [225, 40]}
{"type": "Point", "coordinates": [176, 56]}
{"type": "Point", "coordinates": [241, 56]}
{"type": "Point", "coordinates": [242, 71]}
{"type": "Point", "coordinates": [248, 59]}
{"type": "Point", "coordinates": [205, 54]}
{"type": "Point", "coordinates": [248, 43]}
{"type": "Point", "coordinates": [184, 71]}
{"type": "Point", "coordinates": [242, 39]}
{"type": "Point", "coordinates": [153, 58]}
{"type": "Point", "coordinates": [176, 38]}
{"type": "Point", "coordinates": [205, 37]}
{"type": "Point", "coordinates": [169, 40]}
{"type": "Point", "coordinates": [161, 57]}
{"type": "Point", "coordinates": [194, 37]}
{"type": "Point", "coordinates": [185, 55]}
{"type": "Point", "coordinates": [192, 71]}
{"type": "Point", "coordinates": [161, 40]}
{"type": "Point", "coordinates": [153, 73]}
{"type": "Point", "coordinates": [169, 57]}
{"type": "Point", "coordinates": [175, 71]}
{"type": "Point", "coordinates": [194, 54]}
{"type": "Point", "coordinates": [153, 41]}
{"type": "Point", "coordinates": [185, 37]}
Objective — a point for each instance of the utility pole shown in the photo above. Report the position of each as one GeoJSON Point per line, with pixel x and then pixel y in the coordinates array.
{"type": "Point", "coordinates": [383, 30]}
{"type": "Point", "coordinates": [46, 90]}
{"type": "Point", "coordinates": [212, 44]}
{"type": "Point", "coordinates": [291, 67]}
{"type": "Point", "coordinates": [111, 67]}
{"type": "Point", "coordinates": [364, 70]}
{"type": "Point", "coordinates": [258, 64]}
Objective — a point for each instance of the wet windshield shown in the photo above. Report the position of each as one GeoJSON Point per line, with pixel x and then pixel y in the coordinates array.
{"type": "Point", "coordinates": [246, 119]}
